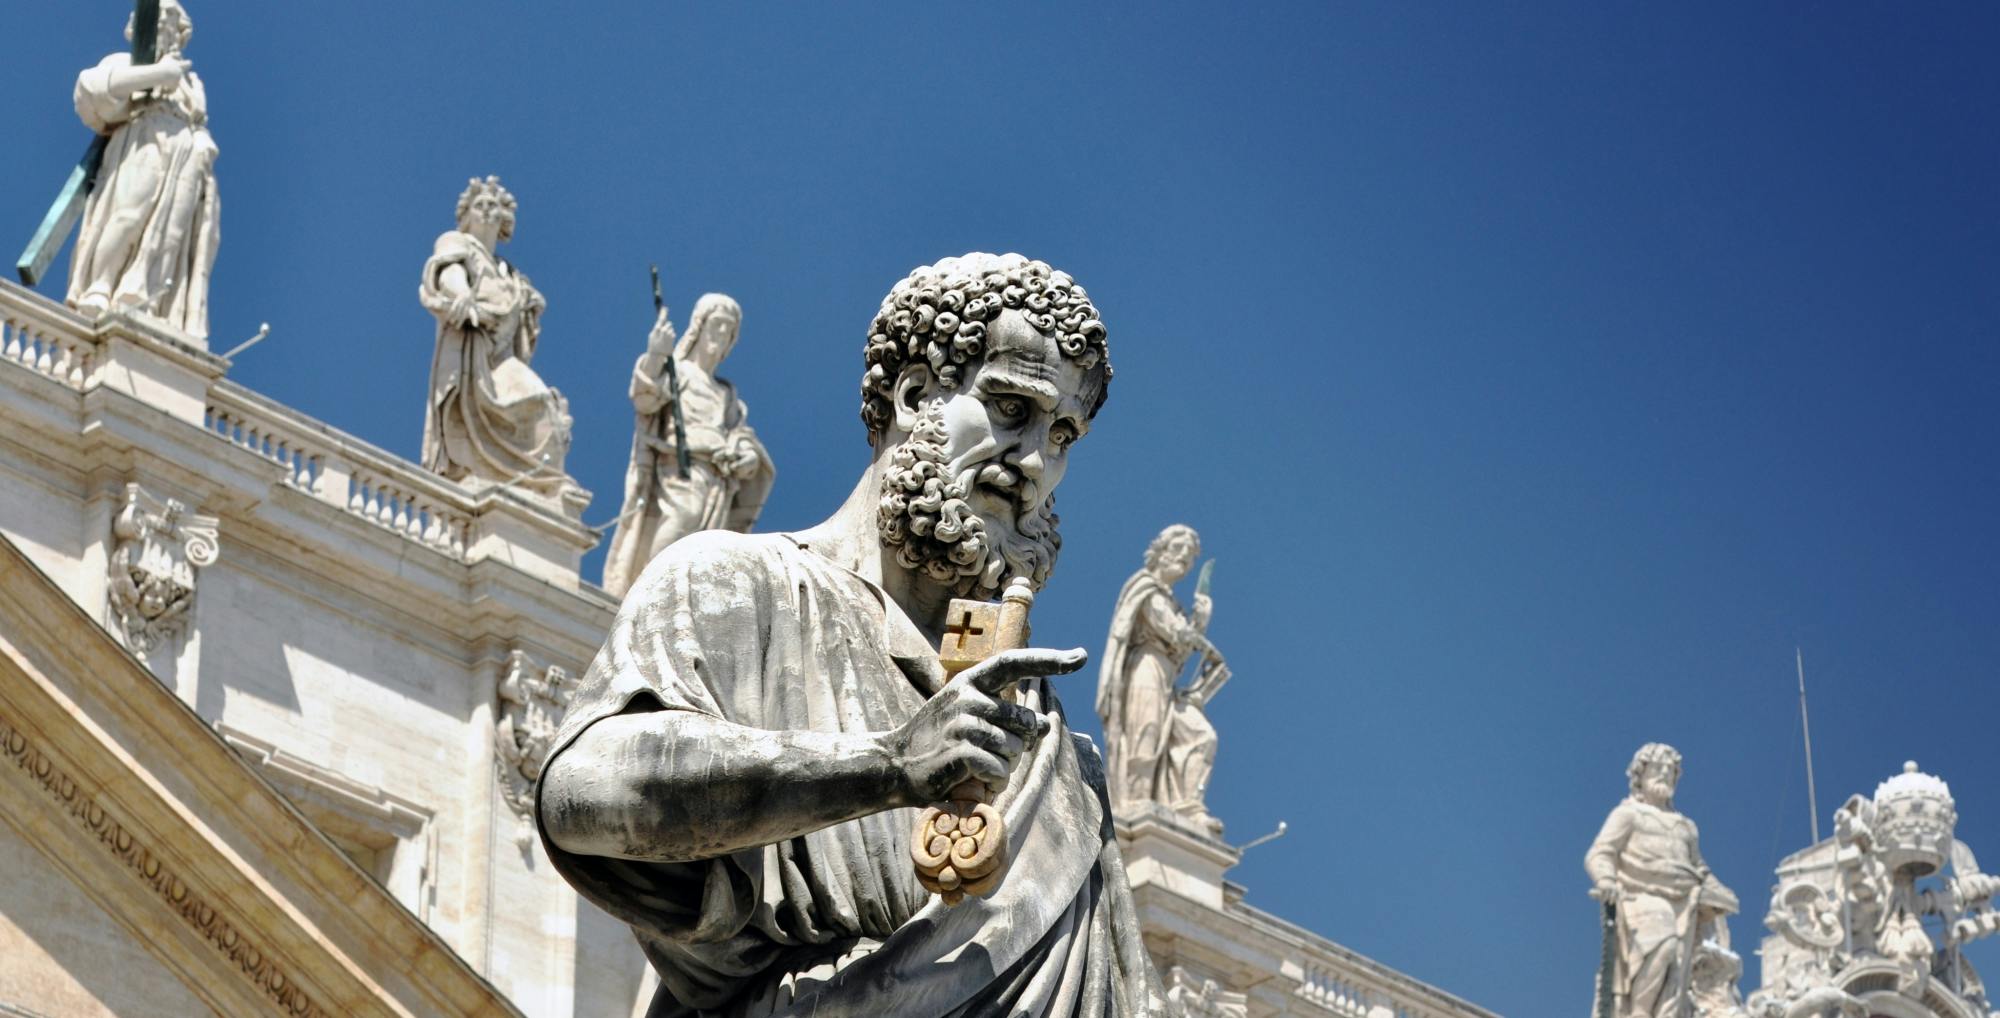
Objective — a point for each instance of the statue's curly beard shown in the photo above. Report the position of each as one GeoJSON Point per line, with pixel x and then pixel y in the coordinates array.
{"type": "Point", "coordinates": [924, 517]}
{"type": "Point", "coordinates": [1658, 791]}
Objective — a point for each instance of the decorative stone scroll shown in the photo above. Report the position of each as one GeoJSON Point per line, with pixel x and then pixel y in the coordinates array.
{"type": "Point", "coordinates": [1204, 998]}
{"type": "Point", "coordinates": [1882, 909]}
{"type": "Point", "coordinates": [159, 546]}
{"type": "Point", "coordinates": [532, 701]}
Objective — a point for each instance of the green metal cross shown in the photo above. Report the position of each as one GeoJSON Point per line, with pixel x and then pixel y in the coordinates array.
{"type": "Point", "coordinates": [68, 206]}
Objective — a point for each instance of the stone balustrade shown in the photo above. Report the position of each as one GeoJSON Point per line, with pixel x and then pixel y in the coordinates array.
{"type": "Point", "coordinates": [344, 471]}
{"type": "Point", "coordinates": [360, 479]}
{"type": "Point", "coordinates": [39, 335]}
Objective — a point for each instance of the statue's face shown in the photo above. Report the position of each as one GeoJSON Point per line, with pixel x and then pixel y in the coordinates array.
{"type": "Point", "coordinates": [484, 217]}
{"type": "Point", "coordinates": [1658, 781]}
{"type": "Point", "coordinates": [1014, 420]}
{"type": "Point", "coordinates": [1177, 558]}
{"type": "Point", "coordinates": [718, 337]}
{"type": "Point", "coordinates": [967, 495]}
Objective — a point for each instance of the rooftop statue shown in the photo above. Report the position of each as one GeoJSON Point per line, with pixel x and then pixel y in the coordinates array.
{"type": "Point", "coordinates": [1852, 918]}
{"type": "Point", "coordinates": [741, 767]}
{"type": "Point", "coordinates": [491, 419]}
{"type": "Point", "coordinates": [1161, 747]}
{"type": "Point", "coordinates": [727, 473]}
{"type": "Point", "coordinates": [1667, 948]}
{"type": "Point", "coordinates": [150, 222]}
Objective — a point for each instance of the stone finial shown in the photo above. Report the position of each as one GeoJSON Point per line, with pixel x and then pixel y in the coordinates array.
{"type": "Point", "coordinates": [158, 546]}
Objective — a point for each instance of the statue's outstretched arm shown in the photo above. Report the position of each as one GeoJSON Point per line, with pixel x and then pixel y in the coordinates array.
{"type": "Point", "coordinates": [678, 786]}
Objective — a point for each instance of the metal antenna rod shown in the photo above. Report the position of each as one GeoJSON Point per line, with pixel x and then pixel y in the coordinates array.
{"type": "Point", "coordinates": [1805, 721]}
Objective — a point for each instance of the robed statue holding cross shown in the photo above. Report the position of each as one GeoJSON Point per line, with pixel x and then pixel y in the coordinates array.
{"type": "Point", "coordinates": [145, 189]}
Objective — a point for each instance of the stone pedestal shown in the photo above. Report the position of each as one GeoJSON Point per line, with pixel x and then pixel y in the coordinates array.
{"type": "Point", "coordinates": [1162, 847]}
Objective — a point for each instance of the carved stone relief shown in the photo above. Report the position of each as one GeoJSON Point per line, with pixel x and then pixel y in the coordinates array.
{"type": "Point", "coordinates": [158, 547]}
{"type": "Point", "coordinates": [1204, 998]}
{"type": "Point", "coordinates": [532, 700]}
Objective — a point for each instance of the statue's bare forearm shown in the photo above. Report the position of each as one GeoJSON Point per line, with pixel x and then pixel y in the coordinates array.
{"type": "Point", "coordinates": [675, 786]}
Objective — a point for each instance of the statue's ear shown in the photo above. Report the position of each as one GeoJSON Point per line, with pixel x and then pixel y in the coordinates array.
{"type": "Point", "coordinates": [913, 386]}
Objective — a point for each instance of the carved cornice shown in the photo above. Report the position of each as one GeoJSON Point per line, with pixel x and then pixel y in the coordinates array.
{"type": "Point", "coordinates": [257, 964]}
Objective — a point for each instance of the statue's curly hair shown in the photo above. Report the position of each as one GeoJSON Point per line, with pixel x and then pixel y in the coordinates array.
{"type": "Point", "coordinates": [474, 188]}
{"type": "Point", "coordinates": [937, 317]}
{"type": "Point", "coordinates": [1651, 753]}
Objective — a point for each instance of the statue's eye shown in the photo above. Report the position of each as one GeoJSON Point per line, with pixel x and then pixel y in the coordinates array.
{"type": "Point", "coordinates": [1010, 408]}
{"type": "Point", "coordinates": [1063, 434]}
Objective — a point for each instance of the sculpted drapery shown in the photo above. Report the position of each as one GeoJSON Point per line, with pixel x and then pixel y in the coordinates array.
{"type": "Point", "coordinates": [729, 471]}
{"type": "Point", "coordinates": [740, 771]}
{"type": "Point", "coordinates": [1161, 745]}
{"type": "Point", "coordinates": [1646, 863]}
{"type": "Point", "coordinates": [151, 225]}
{"type": "Point", "coordinates": [759, 631]}
{"type": "Point", "coordinates": [491, 418]}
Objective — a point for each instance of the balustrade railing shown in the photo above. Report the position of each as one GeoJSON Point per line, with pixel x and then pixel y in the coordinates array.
{"type": "Point", "coordinates": [38, 338]}
{"type": "Point", "coordinates": [344, 471]}
{"type": "Point", "coordinates": [44, 337]}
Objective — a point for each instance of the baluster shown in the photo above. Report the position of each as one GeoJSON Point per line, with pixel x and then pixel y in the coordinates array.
{"type": "Point", "coordinates": [43, 360]}
{"type": "Point", "coordinates": [10, 341]}
{"type": "Point", "coordinates": [80, 367]}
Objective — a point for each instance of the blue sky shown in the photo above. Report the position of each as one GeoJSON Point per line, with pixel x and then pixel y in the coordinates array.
{"type": "Point", "coordinates": [1540, 376]}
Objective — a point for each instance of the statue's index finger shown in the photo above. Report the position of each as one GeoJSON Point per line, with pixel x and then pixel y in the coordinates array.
{"type": "Point", "coordinates": [997, 672]}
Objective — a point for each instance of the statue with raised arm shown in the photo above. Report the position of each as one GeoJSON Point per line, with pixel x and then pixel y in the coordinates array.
{"type": "Point", "coordinates": [150, 224]}
{"type": "Point", "coordinates": [728, 472]}
{"type": "Point", "coordinates": [742, 767]}
{"type": "Point", "coordinates": [1160, 745]}
{"type": "Point", "coordinates": [1670, 915]}
{"type": "Point", "coordinates": [491, 418]}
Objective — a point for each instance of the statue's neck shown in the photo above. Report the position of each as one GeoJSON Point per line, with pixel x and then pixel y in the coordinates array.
{"type": "Point", "coordinates": [852, 538]}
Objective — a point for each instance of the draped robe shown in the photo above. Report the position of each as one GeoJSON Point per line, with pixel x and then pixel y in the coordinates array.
{"type": "Point", "coordinates": [490, 418]}
{"type": "Point", "coordinates": [1161, 747]}
{"type": "Point", "coordinates": [661, 506]}
{"type": "Point", "coordinates": [151, 224]}
{"type": "Point", "coordinates": [763, 632]}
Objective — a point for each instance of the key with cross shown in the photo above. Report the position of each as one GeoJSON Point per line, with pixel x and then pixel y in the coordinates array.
{"type": "Point", "coordinates": [959, 846]}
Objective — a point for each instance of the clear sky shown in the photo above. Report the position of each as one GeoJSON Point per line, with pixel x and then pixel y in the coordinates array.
{"type": "Point", "coordinates": [1539, 375]}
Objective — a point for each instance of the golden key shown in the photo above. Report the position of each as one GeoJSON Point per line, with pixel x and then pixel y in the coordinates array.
{"type": "Point", "coordinates": [960, 845]}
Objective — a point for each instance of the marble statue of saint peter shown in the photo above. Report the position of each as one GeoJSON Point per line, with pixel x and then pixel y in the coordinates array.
{"type": "Point", "coordinates": [740, 769]}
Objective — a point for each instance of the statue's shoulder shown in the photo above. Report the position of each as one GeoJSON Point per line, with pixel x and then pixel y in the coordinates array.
{"type": "Point", "coordinates": [452, 244]}
{"type": "Point", "coordinates": [724, 557]}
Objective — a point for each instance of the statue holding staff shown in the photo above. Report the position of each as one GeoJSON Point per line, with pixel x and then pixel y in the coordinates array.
{"type": "Point", "coordinates": [685, 413]}
{"type": "Point", "coordinates": [1665, 904]}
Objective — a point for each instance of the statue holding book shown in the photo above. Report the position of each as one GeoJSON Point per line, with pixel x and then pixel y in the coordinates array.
{"type": "Point", "coordinates": [1161, 745]}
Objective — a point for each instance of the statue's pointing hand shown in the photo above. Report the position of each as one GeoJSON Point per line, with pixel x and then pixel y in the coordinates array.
{"type": "Point", "coordinates": [966, 731]}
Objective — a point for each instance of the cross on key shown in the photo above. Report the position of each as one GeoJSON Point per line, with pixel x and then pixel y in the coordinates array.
{"type": "Point", "coordinates": [964, 627]}
{"type": "Point", "coordinates": [969, 635]}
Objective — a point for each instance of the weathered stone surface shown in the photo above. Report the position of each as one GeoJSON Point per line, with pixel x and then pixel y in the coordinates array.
{"type": "Point", "coordinates": [766, 864]}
